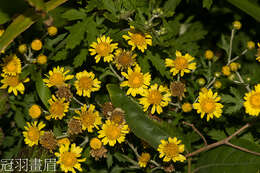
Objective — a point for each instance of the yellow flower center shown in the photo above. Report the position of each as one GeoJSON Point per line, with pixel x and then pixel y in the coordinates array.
{"type": "Point", "coordinates": [138, 39]}
{"type": "Point", "coordinates": [33, 134]}
{"type": "Point", "coordinates": [85, 83]}
{"type": "Point", "coordinates": [35, 111]}
{"type": "Point", "coordinates": [57, 79]}
{"type": "Point", "coordinates": [113, 132]}
{"type": "Point", "coordinates": [103, 49]}
{"type": "Point", "coordinates": [208, 105]}
{"type": "Point", "coordinates": [171, 150]}
{"type": "Point", "coordinates": [145, 157]}
{"type": "Point", "coordinates": [95, 143]}
{"type": "Point", "coordinates": [135, 80]}
{"type": "Point", "coordinates": [88, 119]}
{"type": "Point", "coordinates": [124, 59]}
{"type": "Point", "coordinates": [68, 159]}
{"type": "Point", "coordinates": [12, 81]}
{"type": "Point", "coordinates": [181, 63]}
{"type": "Point", "coordinates": [57, 108]}
{"type": "Point", "coordinates": [154, 97]}
{"type": "Point", "coordinates": [11, 66]}
{"type": "Point", "coordinates": [255, 100]}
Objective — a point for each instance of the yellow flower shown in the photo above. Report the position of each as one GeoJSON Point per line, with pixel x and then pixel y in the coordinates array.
{"type": "Point", "coordinates": [22, 48]}
{"type": "Point", "coordinates": [63, 141]}
{"type": "Point", "coordinates": [209, 54]}
{"type": "Point", "coordinates": [186, 107]}
{"type": "Point", "coordinates": [208, 104]}
{"type": "Point", "coordinates": [157, 96]}
{"type": "Point", "coordinates": [52, 30]}
{"type": "Point", "coordinates": [33, 133]}
{"type": "Point", "coordinates": [144, 159]}
{"type": "Point", "coordinates": [237, 24]}
{"type": "Point", "coordinates": [35, 111]}
{"type": "Point", "coordinates": [14, 83]}
{"type": "Point", "coordinates": [171, 150]}
{"type": "Point", "coordinates": [252, 103]}
{"type": "Point", "coordinates": [138, 39]}
{"type": "Point", "coordinates": [250, 45]}
{"type": "Point", "coordinates": [57, 77]}
{"type": "Point", "coordinates": [226, 70]}
{"type": "Point", "coordinates": [95, 143]}
{"type": "Point", "coordinates": [41, 59]}
{"type": "Point", "coordinates": [258, 53]}
{"type": "Point", "coordinates": [182, 64]}
{"type": "Point", "coordinates": [58, 108]}
{"type": "Point", "coordinates": [234, 66]}
{"type": "Point", "coordinates": [86, 83]}
{"type": "Point", "coordinates": [103, 48]}
{"type": "Point", "coordinates": [89, 117]}
{"type": "Point", "coordinates": [12, 65]}
{"type": "Point", "coordinates": [69, 157]}
{"type": "Point", "coordinates": [136, 81]}
{"type": "Point", "coordinates": [124, 59]}
{"type": "Point", "coordinates": [36, 45]}
{"type": "Point", "coordinates": [112, 133]}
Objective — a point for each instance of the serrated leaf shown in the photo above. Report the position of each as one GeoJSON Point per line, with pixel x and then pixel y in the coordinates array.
{"type": "Point", "coordinates": [80, 58]}
{"type": "Point", "coordinates": [109, 160]}
{"type": "Point", "coordinates": [170, 6]}
{"type": "Point", "coordinates": [223, 43]}
{"type": "Point", "coordinates": [92, 31]}
{"type": "Point", "coordinates": [207, 4]}
{"type": "Point", "coordinates": [42, 90]}
{"type": "Point", "coordinates": [74, 14]}
{"type": "Point", "coordinates": [228, 159]}
{"type": "Point", "coordinates": [120, 157]}
{"type": "Point", "coordinates": [235, 103]}
{"type": "Point", "coordinates": [217, 134]}
{"type": "Point", "coordinates": [61, 55]}
{"type": "Point", "coordinates": [144, 64]}
{"type": "Point", "coordinates": [110, 6]}
{"type": "Point", "coordinates": [19, 119]}
{"type": "Point", "coordinates": [77, 32]}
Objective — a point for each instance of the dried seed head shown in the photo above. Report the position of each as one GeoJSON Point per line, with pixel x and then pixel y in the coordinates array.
{"type": "Point", "coordinates": [178, 89]}
{"type": "Point", "coordinates": [169, 168]}
{"type": "Point", "coordinates": [107, 109]}
{"type": "Point", "coordinates": [48, 140]}
{"type": "Point", "coordinates": [117, 116]}
{"type": "Point", "coordinates": [74, 126]}
{"type": "Point", "coordinates": [99, 153]}
{"type": "Point", "coordinates": [64, 92]}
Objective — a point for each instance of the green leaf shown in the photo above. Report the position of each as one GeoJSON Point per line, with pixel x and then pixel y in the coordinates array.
{"type": "Point", "coordinates": [247, 6]}
{"type": "Point", "coordinates": [170, 6]}
{"type": "Point", "coordinates": [138, 121]}
{"type": "Point", "coordinates": [77, 32]}
{"type": "Point", "coordinates": [235, 103]}
{"type": "Point", "coordinates": [228, 159]}
{"type": "Point", "coordinates": [207, 4]}
{"type": "Point", "coordinates": [110, 6]}
{"type": "Point", "coordinates": [61, 55]}
{"type": "Point", "coordinates": [19, 119]}
{"type": "Point", "coordinates": [74, 14]}
{"type": "Point", "coordinates": [23, 22]}
{"type": "Point", "coordinates": [92, 31]}
{"type": "Point", "coordinates": [80, 58]}
{"type": "Point", "coordinates": [217, 134]}
{"type": "Point", "coordinates": [42, 90]}
{"type": "Point", "coordinates": [109, 160]}
{"type": "Point", "coordinates": [144, 64]}
{"type": "Point", "coordinates": [37, 4]}
{"type": "Point", "coordinates": [223, 44]}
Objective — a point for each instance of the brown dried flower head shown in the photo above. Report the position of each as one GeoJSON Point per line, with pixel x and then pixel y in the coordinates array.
{"type": "Point", "coordinates": [64, 92]}
{"type": "Point", "coordinates": [118, 116]}
{"type": "Point", "coordinates": [74, 126]}
{"type": "Point", "coordinates": [107, 109]}
{"type": "Point", "coordinates": [169, 168]}
{"type": "Point", "coordinates": [177, 89]}
{"type": "Point", "coordinates": [48, 140]}
{"type": "Point", "coordinates": [99, 153]}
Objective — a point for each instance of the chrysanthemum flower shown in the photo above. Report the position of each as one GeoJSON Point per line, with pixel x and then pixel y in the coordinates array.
{"type": "Point", "coordinates": [95, 143]}
{"type": "Point", "coordinates": [144, 159]}
{"type": "Point", "coordinates": [138, 39]}
{"type": "Point", "coordinates": [124, 59]}
{"type": "Point", "coordinates": [33, 133]}
{"type": "Point", "coordinates": [97, 149]}
{"type": "Point", "coordinates": [258, 53]}
{"type": "Point", "coordinates": [57, 77]}
{"type": "Point", "coordinates": [35, 111]}
{"type": "Point", "coordinates": [58, 108]}
{"type": "Point", "coordinates": [86, 83]}
{"type": "Point", "coordinates": [182, 64]}
{"type": "Point", "coordinates": [12, 65]}
{"type": "Point", "coordinates": [208, 104]}
{"type": "Point", "coordinates": [69, 157]}
{"type": "Point", "coordinates": [89, 117]}
{"type": "Point", "coordinates": [14, 83]}
{"type": "Point", "coordinates": [112, 133]}
{"type": "Point", "coordinates": [171, 150]}
{"type": "Point", "coordinates": [252, 103]}
{"type": "Point", "coordinates": [157, 96]}
{"type": "Point", "coordinates": [103, 48]}
{"type": "Point", "coordinates": [136, 81]}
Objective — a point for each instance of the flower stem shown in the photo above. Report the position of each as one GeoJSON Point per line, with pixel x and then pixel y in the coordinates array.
{"type": "Point", "coordinates": [117, 75]}
{"type": "Point", "coordinates": [230, 45]}
{"type": "Point", "coordinates": [79, 102]}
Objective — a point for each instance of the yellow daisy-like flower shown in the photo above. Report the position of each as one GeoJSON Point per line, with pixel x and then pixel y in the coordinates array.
{"type": "Point", "coordinates": [69, 157]}
{"type": "Point", "coordinates": [112, 133]}
{"type": "Point", "coordinates": [57, 77]}
{"type": "Point", "coordinates": [258, 53]}
{"type": "Point", "coordinates": [35, 111]}
{"type": "Point", "coordinates": [171, 150]}
{"type": "Point", "coordinates": [89, 117]}
{"type": "Point", "coordinates": [124, 59]}
{"type": "Point", "coordinates": [182, 64]}
{"type": "Point", "coordinates": [208, 104]}
{"type": "Point", "coordinates": [63, 141]}
{"type": "Point", "coordinates": [252, 103]}
{"type": "Point", "coordinates": [157, 96]}
{"type": "Point", "coordinates": [86, 83]}
{"type": "Point", "coordinates": [33, 133]}
{"type": "Point", "coordinates": [138, 39]}
{"type": "Point", "coordinates": [103, 48]}
{"type": "Point", "coordinates": [58, 108]}
{"type": "Point", "coordinates": [12, 65]}
{"type": "Point", "coordinates": [14, 83]}
{"type": "Point", "coordinates": [144, 159]}
{"type": "Point", "coordinates": [136, 81]}
{"type": "Point", "coordinates": [95, 143]}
